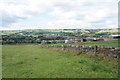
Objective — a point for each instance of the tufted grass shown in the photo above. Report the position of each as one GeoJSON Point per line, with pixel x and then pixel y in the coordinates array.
{"type": "Point", "coordinates": [33, 61]}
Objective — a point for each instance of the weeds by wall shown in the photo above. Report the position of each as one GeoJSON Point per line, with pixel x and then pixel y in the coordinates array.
{"type": "Point", "coordinates": [109, 51]}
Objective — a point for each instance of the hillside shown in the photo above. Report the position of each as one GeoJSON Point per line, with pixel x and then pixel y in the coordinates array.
{"type": "Point", "coordinates": [65, 32]}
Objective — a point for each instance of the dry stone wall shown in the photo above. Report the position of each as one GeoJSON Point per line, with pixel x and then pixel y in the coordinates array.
{"type": "Point", "coordinates": [109, 51]}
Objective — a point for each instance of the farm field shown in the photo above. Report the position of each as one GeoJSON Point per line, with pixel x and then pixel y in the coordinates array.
{"type": "Point", "coordinates": [33, 61]}
{"type": "Point", "coordinates": [105, 43]}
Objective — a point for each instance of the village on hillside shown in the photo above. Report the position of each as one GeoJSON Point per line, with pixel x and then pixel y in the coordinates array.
{"type": "Point", "coordinates": [49, 37]}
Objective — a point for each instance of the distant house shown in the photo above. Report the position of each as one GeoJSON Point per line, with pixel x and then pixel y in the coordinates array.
{"type": "Point", "coordinates": [69, 41]}
{"type": "Point", "coordinates": [55, 41]}
{"type": "Point", "coordinates": [117, 36]}
{"type": "Point", "coordinates": [94, 39]}
{"type": "Point", "coordinates": [43, 42]}
{"type": "Point", "coordinates": [66, 41]}
{"type": "Point", "coordinates": [73, 40]}
{"type": "Point", "coordinates": [51, 35]}
{"type": "Point", "coordinates": [59, 41]}
{"type": "Point", "coordinates": [52, 41]}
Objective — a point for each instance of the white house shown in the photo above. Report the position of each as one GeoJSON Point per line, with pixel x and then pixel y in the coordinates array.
{"type": "Point", "coordinates": [117, 36]}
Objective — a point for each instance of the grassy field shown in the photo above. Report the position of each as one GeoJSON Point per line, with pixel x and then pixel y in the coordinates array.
{"type": "Point", "coordinates": [105, 43]}
{"type": "Point", "coordinates": [33, 61]}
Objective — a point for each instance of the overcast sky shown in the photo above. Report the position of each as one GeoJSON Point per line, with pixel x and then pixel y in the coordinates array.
{"type": "Point", "coordinates": [58, 14]}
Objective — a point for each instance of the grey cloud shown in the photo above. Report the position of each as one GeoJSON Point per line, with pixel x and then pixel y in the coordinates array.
{"type": "Point", "coordinates": [7, 19]}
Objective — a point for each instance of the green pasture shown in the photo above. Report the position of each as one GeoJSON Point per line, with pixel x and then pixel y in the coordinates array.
{"type": "Point", "coordinates": [105, 43]}
{"type": "Point", "coordinates": [33, 61]}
